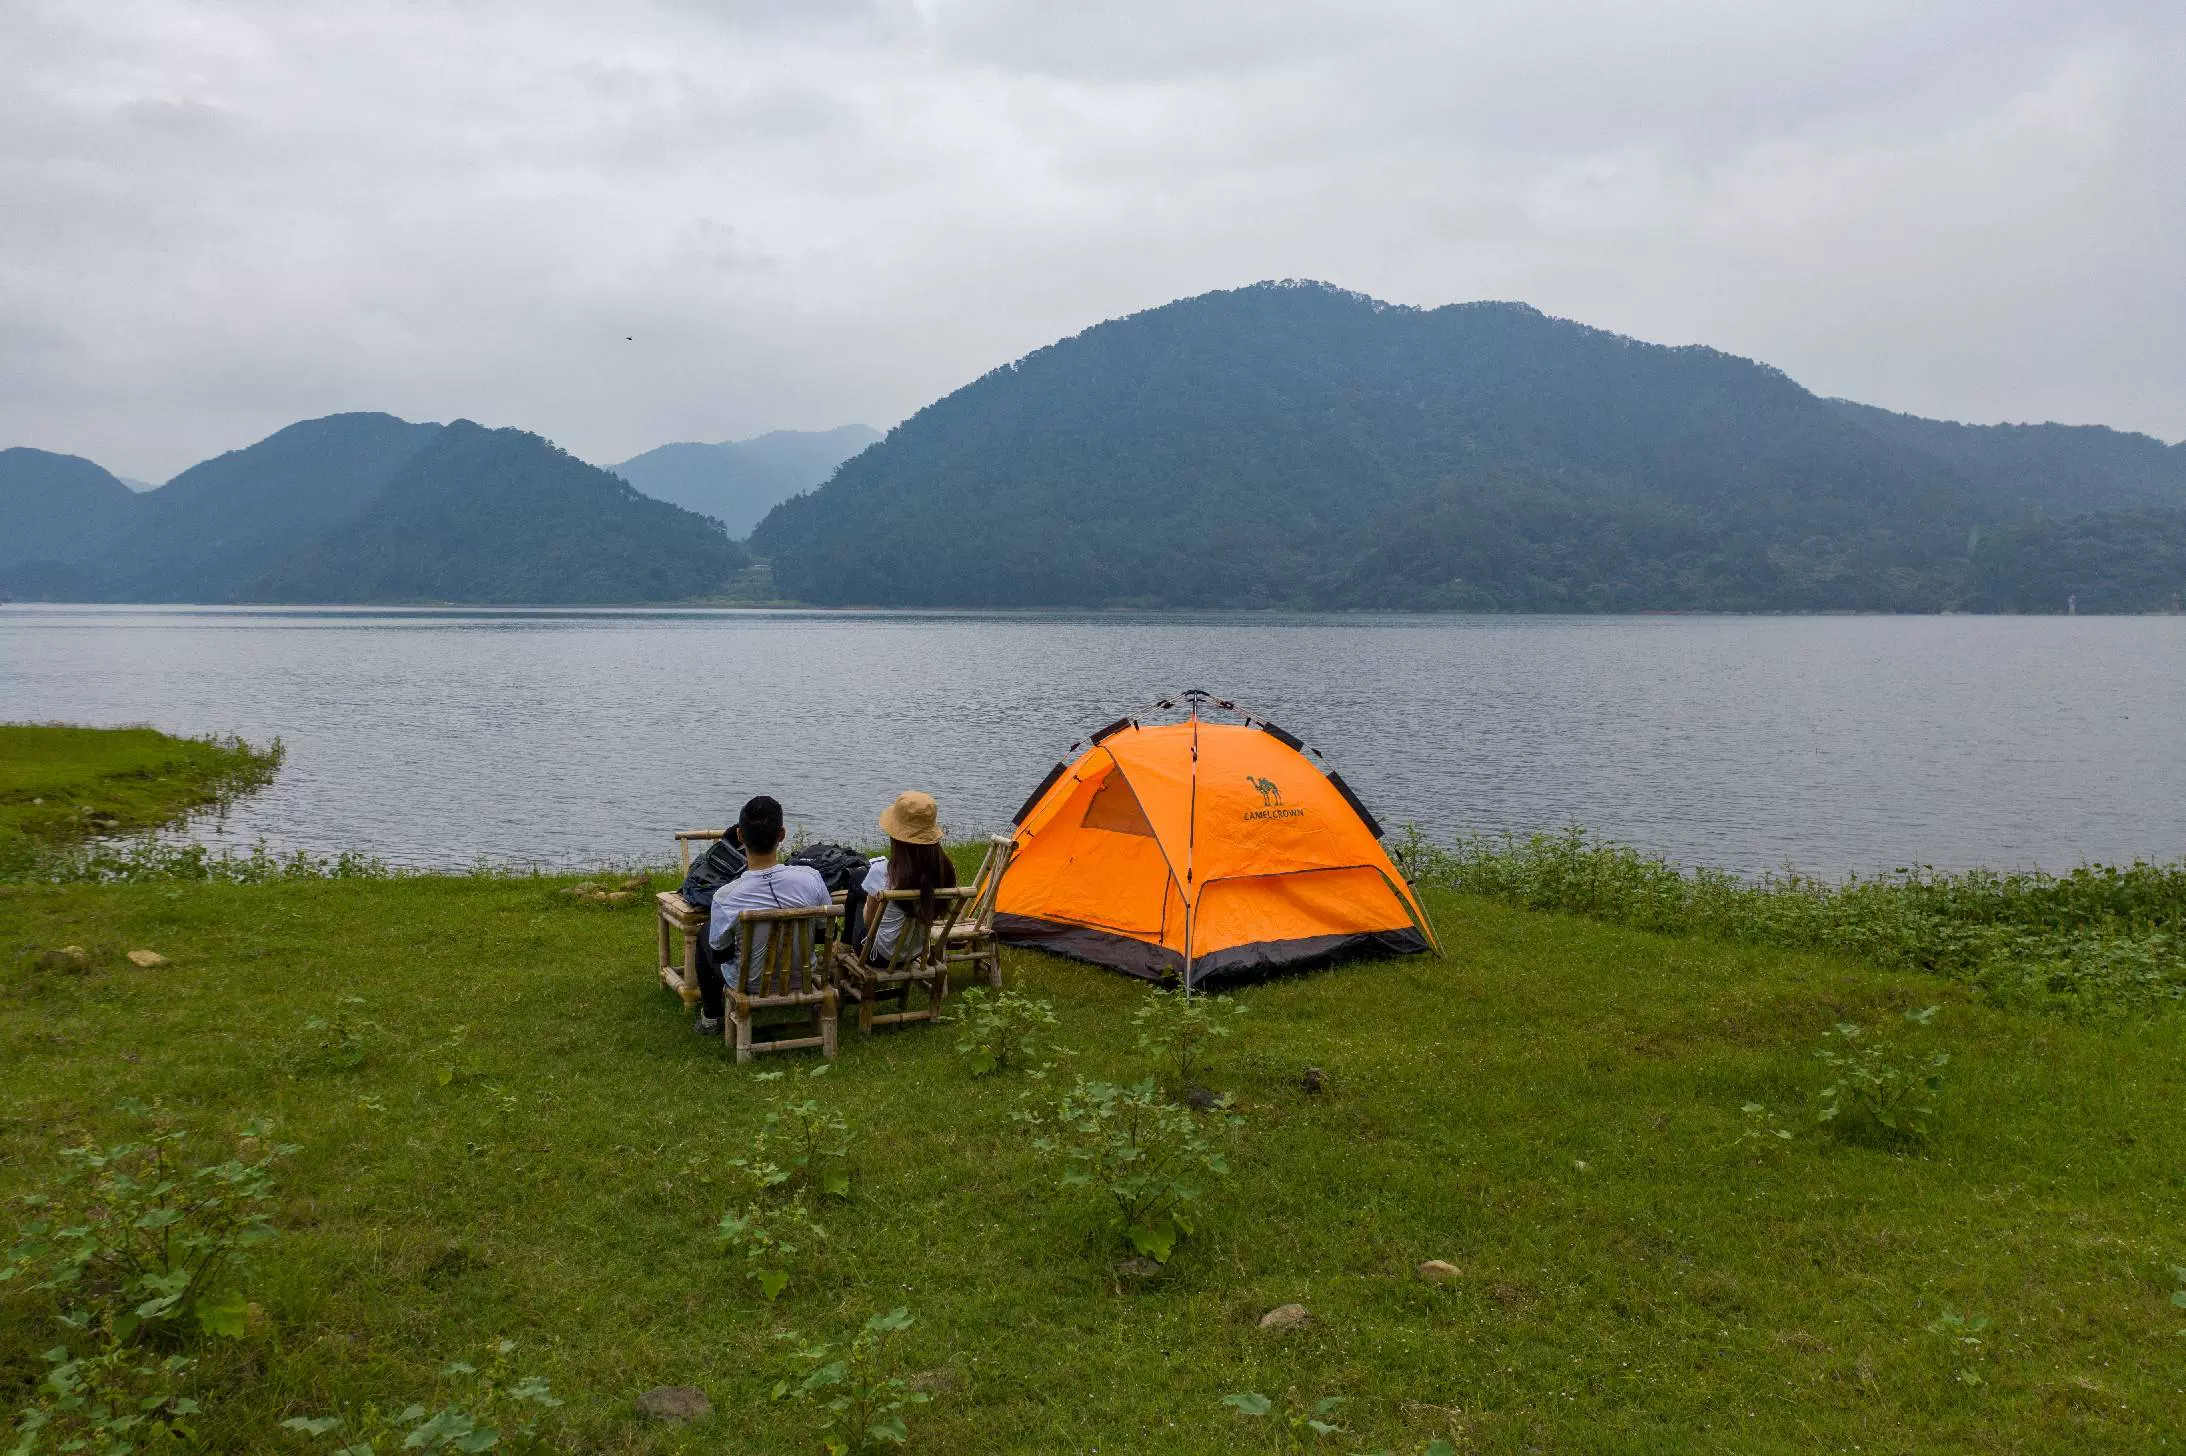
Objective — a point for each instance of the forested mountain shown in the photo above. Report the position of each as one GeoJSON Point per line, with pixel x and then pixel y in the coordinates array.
{"type": "Point", "coordinates": [2104, 561]}
{"type": "Point", "coordinates": [483, 515]}
{"type": "Point", "coordinates": [739, 481]}
{"type": "Point", "coordinates": [358, 507]}
{"type": "Point", "coordinates": [58, 508]}
{"type": "Point", "coordinates": [206, 535]}
{"type": "Point", "coordinates": [1296, 445]}
{"type": "Point", "coordinates": [2044, 469]}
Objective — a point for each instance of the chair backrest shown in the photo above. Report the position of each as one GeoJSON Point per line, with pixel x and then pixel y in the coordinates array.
{"type": "Point", "coordinates": [979, 911]}
{"type": "Point", "coordinates": [915, 938]}
{"type": "Point", "coordinates": [778, 951]}
{"type": "Point", "coordinates": [685, 838]}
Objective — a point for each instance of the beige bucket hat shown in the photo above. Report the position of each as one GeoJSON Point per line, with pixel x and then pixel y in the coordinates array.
{"type": "Point", "coordinates": [914, 818]}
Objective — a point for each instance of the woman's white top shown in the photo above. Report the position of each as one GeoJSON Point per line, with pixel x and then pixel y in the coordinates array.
{"type": "Point", "coordinates": [891, 921]}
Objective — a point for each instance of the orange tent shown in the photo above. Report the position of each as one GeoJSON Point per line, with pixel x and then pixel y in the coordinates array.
{"type": "Point", "coordinates": [1203, 851]}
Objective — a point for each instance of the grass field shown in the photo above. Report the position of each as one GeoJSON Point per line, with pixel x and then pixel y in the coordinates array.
{"type": "Point", "coordinates": [532, 1145]}
{"type": "Point", "coordinates": [60, 784]}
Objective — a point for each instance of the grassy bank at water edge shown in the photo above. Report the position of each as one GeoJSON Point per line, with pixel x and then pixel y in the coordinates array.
{"type": "Point", "coordinates": [61, 785]}
{"type": "Point", "coordinates": [505, 1130]}
{"type": "Point", "coordinates": [2102, 942]}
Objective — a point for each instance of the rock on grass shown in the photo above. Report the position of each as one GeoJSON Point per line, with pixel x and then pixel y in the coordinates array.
{"type": "Point", "coordinates": [677, 1404]}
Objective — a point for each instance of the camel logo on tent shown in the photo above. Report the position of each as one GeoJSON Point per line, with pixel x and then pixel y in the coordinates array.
{"type": "Point", "coordinates": [1271, 801]}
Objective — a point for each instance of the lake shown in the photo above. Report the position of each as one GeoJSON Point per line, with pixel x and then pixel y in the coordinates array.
{"type": "Point", "coordinates": [439, 737]}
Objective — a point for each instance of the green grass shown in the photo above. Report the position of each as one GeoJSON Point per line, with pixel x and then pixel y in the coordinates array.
{"type": "Point", "coordinates": [61, 784]}
{"type": "Point", "coordinates": [1555, 1108]}
{"type": "Point", "coordinates": [2101, 942]}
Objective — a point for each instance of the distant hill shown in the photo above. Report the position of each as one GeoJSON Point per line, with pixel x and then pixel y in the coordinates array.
{"type": "Point", "coordinates": [209, 533]}
{"type": "Point", "coordinates": [483, 515]}
{"type": "Point", "coordinates": [2043, 469]}
{"type": "Point", "coordinates": [739, 481]}
{"type": "Point", "coordinates": [1296, 445]}
{"type": "Point", "coordinates": [59, 508]}
{"type": "Point", "coordinates": [356, 508]}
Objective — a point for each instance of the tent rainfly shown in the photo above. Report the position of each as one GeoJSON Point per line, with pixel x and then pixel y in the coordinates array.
{"type": "Point", "coordinates": [1201, 851]}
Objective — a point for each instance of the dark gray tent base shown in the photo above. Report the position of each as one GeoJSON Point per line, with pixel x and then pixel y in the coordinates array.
{"type": "Point", "coordinates": [1239, 963]}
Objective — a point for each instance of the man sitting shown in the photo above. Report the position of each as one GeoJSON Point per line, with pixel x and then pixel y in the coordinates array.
{"type": "Point", "coordinates": [765, 884]}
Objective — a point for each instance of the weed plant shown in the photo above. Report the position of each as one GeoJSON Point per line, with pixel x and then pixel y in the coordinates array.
{"type": "Point", "coordinates": [771, 1240]}
{"type": "Point", "coordinates": [1003, 1031]}
{"type": "Point", "coordinates": [336, 1040]}
{"type": "Point", "coordinates": [1178, 1028]}
{"type": "Point", "coordinates": [802, 1144]}
{"type": "Point", "coordinates": [1146, 1156]}
{"type": "Point", "coordinates": [470, 1410]}
{"type": "Point", "coordinates": [2102, 941]}
{"type": "Point", "coordinates": [857, 1390]}
{"type": "Point", "coordinates": [119, 1402]}
{"type": "Point", "coordinates": [142, 1245]}
{"type": "Point", "coordinates": [1291, 1430]}
{"type": "Point", "coordinates": [1876, 1088]}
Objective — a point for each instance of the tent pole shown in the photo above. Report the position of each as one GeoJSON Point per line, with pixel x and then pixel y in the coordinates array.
{"type": "Point", "coordinates": [1191, 844]}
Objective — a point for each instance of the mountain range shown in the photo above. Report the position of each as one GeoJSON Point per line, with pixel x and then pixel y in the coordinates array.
{"type": "Point", "coordinates": [739, 481]}
{"type": "Point", "coordinates": [1296, 445]}
{"type": "Point", "coordinates": [356, 508]}
{"type": "Point", "coordinates": [1288, 445]}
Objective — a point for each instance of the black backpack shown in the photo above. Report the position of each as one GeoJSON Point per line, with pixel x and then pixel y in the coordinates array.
{"type": "Point", "coordinates": [841, 866]}
{"type": "Point", "coordinates": [721, 863]}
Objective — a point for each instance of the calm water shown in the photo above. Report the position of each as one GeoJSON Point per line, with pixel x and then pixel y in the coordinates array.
{"type": "Point", "coordinates": [438, 737]}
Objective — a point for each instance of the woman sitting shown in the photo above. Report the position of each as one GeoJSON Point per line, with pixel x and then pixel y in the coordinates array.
{"type": "Point", "coordinates": [915, 861]}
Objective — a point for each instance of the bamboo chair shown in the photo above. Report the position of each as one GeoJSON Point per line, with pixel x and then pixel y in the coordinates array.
{"type": "Point", "coordinates": [918, 959]}
{"type": "Point", "coordinates": [970, 946]}
{"type": "Point", "coordinates": [793, 969]}
{"type": "Point", "coordinates": [680, 919]}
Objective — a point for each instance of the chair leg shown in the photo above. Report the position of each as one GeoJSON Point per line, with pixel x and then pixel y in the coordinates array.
{"type": "Point", "coordinates": [866, 992]}
{"type": "Point", "coordinates": [829, 1011]}
{"type": "Point", "coordinates": [660, 923]}
{"type": "Point", "coordinates": [690, 967]}
{"type": "Point", "coordinates": [740, 1025]}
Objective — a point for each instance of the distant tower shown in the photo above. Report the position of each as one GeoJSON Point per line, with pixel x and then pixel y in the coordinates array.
{"type": "Point", "coordinates": [2072, 604]}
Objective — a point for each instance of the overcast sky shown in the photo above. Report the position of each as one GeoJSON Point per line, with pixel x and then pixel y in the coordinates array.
{"type": "Point", "coordinates": [622, 224]}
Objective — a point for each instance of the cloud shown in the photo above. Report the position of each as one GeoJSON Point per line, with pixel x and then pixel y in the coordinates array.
{"type": "Point", "coordinates": [623, 224]}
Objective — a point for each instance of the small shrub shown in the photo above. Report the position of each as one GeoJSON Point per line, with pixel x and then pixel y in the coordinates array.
{"type": "Point", "coordinates": [801, 1143]}
{"type": "Point", "coordinates": [1145, 1156]}
{"type": "Point", "coordinates": [1876, 1087]}
{"type": "Point", "coordinates": [1004, 1030]}
{"type": "Point", "coordinates": [1293, 1430]}
{"type": "Point", "coordinates": [856, 1390]}
{"type": "Point", "coordinates": [770, 1240]}
{"type": "Point", "coordinates": [141, 1244]}
{"type": "Point", "coordinates": [452, 1059]}
{"type": "Point", "coordinates": [1177, 1028]}
{"type": "Point", "coordinates": [485, 1410]}
{"type": "Point", "coordinates": [1762, 1129]}
{"type": "Point", "coordinates": [1965, 1332]}
{"type": "Point", "coordinates": [338, 1041]}
{"type": "Point", "coordinates": [117, 1403]}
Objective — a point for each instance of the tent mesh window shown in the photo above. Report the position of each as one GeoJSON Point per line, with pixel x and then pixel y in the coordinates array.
{"type": "Point", "coordinates": [1115, 808]}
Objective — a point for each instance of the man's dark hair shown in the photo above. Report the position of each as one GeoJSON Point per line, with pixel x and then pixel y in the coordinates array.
{"type": "Point", "coordinates": [760, 825]}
